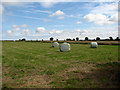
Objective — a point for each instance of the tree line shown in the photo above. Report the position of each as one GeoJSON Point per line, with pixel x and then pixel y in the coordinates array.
{"type": "Point", "coordinates": [87, 39]}
{"type": "Point", "coordinates": [76, 39]}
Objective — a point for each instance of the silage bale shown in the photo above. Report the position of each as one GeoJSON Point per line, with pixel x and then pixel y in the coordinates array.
{"type": "Point", "coordinates": [65, 47]}
{"type": "Point", "coordinates": [55, 44]}
{"type": "Point", "coordinates": [93, 45]}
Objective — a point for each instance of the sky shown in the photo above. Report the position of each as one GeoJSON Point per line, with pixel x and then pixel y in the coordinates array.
{"type": "Point", "coordinates": [60, 20]}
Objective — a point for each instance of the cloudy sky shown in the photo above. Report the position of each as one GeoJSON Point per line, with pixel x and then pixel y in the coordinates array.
{"type": "Point", "coordinates": [61, 20]}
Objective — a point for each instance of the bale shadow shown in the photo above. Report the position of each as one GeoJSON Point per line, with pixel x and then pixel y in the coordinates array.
{"type": "Point", "coordinates": [106, 75]}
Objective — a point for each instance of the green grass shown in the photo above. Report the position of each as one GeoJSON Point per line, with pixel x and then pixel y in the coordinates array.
{"type": "Point", "coordinates": [34, 64]}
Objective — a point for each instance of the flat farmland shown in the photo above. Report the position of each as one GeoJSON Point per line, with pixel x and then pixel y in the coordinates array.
{"type": "Point", "coordinates": [38, 65]}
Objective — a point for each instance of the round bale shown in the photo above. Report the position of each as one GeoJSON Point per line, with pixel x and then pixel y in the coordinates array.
{"type": "Point", "coordinates": [93, 45]}
{"type": "Point", "coordinates": [65, 47]}
{"type": "Point", "coordinates": [55, 44]}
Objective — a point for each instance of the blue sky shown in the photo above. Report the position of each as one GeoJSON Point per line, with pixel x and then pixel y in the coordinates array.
{"type": "Point", "coordinates": [61, 20]}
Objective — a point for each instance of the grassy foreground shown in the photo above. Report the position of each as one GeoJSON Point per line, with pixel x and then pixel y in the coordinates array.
{"type": "Point", "coordinates": [37, 65]}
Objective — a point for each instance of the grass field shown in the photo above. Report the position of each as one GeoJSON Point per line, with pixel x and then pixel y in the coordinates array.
{"type": "Point", "coordinates": [37, 65]}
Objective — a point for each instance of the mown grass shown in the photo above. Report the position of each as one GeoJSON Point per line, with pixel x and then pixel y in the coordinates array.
{"type": "Point", "coordinates": [34, 64]}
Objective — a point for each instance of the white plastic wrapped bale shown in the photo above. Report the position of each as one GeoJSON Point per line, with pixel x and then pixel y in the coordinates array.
{"type": "Point", "coordinates": [65, 47]}
{"type": "Point", "coordinates": [93, 45]}
{"type": "Point", "coordinates": [55, 44]}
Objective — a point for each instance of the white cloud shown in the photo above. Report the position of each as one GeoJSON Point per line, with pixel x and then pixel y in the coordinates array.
{"type": "Point", "coordinates": [16, 29]}
{"type": "Point", "coordinates": [55, 32]}
{"type": "Point", "coordinates": [24, 25]}
{"type": "Point", "coordinates": [40, 30]}
{"type": "Point", "coordinates": [67, 34]}
{"type": "Point", "coordinates": [94, 17]}
{"type": "Point", "coordinates": [41, 11]}
{"type": "Point", "coordinates": [14, 26]}
{"type": "Point", "coordinates": [103, 14]}
{"type": "Point", "coordinates": [80, 31]}
{"type": "Point", "coordinates": [102, 32]}
{"type": "Point", "coordinates": [61, 17]}
{"type": "Point", "coordinates": [37, 11]}
{"type": "Point", "coordinates": [99, 19]}
{"type": "Point", "coordinates": [57, 13]}
{"type": "Point", "coordinates": [114, 18]}
{"type": "Point", "coordinates": [103, 8]}
{"type": "Point", "coordinates": [92, 33]}
{"type": "Point", "coordinates": [48, 4]}
{"type": "Point", "coordinates": [71, 16]}
{"type": "Point", "coordinates": [25, 32]}
{"type": "Point", "coordinates": [9, 32]}
{"type": "Point", "coordinates": [78, 22]}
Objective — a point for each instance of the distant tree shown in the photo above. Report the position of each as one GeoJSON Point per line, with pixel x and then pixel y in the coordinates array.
{"type": "Point", "coordinates": [68, 39]}
{"type": "Point", "coordinates": [73, 39]}
{"type": "Point", "coordinates": [97, 38]}
{"type": "Point", "coordinates": [77, 39]}
{"type": "Point", "coordinates": [51, 39]}
{"type": "Point", "coordinates": [42, 39]}
{"type": "Point", "coordinates": [56, 39]}
{"type": "Point", "coordinates": [117, 39]}
{"type": "Point", "coordinates": [86, 38]}
{"type": "Point", "coordinates": [111, 39]}
{"type": "Point", "coordinates": [23, 39]}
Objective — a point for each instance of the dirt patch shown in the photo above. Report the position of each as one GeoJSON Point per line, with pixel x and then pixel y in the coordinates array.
{"type": "Point", "coordinates": [6, 79]}
{"type": "Point", "coordinates": [40, 81]}
{"type": "Point", "coordinates": [6, 69]}
{"type": "Point", "coordinates": [90, 75]}
{"type": "Point", "coordinates": [76, 71]}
